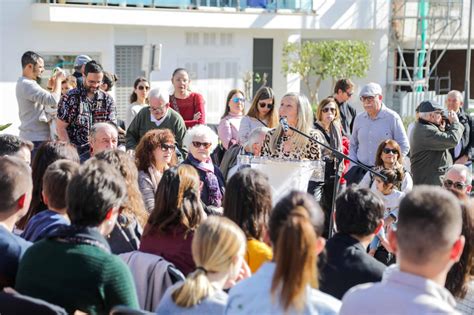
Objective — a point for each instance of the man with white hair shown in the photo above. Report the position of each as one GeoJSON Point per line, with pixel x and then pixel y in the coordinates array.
{"type": "Point", "coordinates": [158, 115]}
{"type": "Point", "coordinates": [462, 152]}
{"type": "Point", "coordinates": [430, 142]}
{"type": "Point", "coordinates": [103, 136]}
{"type": "Point", "coordinates": [459, 178]}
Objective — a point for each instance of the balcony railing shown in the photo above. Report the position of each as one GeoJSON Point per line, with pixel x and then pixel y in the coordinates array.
{"type": "Point", "coordinates": [303, 6]}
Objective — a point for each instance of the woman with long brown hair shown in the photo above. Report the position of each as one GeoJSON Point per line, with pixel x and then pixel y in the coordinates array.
{"type": "Point", "coordinates": [228, 129]}
{"type": "Point", "coordinates": [287, 285]}
{"type": "Point", "coordinates": [138, 99]}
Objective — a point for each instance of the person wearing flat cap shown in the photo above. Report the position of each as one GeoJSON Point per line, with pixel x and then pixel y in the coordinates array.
{"type": "Point", "coordinates": [430, 142]}
{"type": "Point", "coordinates": [375, 124]}
{"type": "Point", "coordinates": [79, 65]}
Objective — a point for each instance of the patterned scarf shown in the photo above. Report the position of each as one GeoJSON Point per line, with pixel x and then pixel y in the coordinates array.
{"type": "Point", "coordinates": [210, 181]}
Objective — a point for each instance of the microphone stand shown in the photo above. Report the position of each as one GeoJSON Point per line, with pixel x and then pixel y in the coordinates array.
{"type": "Point", "coordinates": [339, 157]}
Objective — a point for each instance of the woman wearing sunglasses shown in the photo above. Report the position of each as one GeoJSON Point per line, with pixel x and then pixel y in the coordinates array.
{"type": "Point", "coordinates": [262, 113]}
{"type": "Point", "coordinates": [155, 153]}
{"type": "Point", "coordinates": [138, 99]}
{"type": "Point", "coordinates": [201, 142]}
{"type": "Point", "coordinates": [229, 125]}
{"type": "Point", "coordinates": [388, 156]}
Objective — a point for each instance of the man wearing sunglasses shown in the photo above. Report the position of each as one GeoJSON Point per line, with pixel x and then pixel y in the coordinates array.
{"type": "Point", "coordinates": [343, 91]}
{"type": "Point", "coordinates": [459, 178]}
{"type": "Point", "coordinates": [430, 144]}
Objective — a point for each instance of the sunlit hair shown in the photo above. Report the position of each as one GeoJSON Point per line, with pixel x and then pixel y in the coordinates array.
{"type": "Point", "coordinates": [132, 207]}
{"type": "Point", "coordinates": [201, 131]}
{"type": "Point", "coordinates": [264, 93]}
{"type": "Point", "coordinates": [295, 224]}
{"type": "Point", "coordinates": [382, 145]}
{"type": "Point", "coordinates": [144, 157]}
{"type": "Point", "coordinates": [304, 122]}
{"type": "Point", "coordinates": [324, 103]}
{"type": "Point", "coordinates": [229, 97]}
{"type": "Point", "coordinates": [216, 246]}
{"type": "Point", "coordinates": [133, 96]}
{"type": "Point", "coordinates": [177, 201]}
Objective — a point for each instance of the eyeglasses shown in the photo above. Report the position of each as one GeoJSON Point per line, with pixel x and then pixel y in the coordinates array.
{"type": "Point", "coordinates": [263, 105]}
{"type": "Point", "coordinates": [388, 151]}
{"type": "Point", "coordinates": [327, 109]}
{"type": "Point", "coordinates": [198, 144]}
{"type": "Point", "coordinates": [141, 87]}
{"type": "Point", "coordinates": [367, 98]}
{"type": "Point", "coordinates": [349, 93]}
{"type": "Point", "coordinates": [167, 147]}
{"type": "Point", "coordinates": [238, 99]}
{"type": "Point", "coordinates": [158, 109]}
{"type": "Point", "coordinates": [456, 185]}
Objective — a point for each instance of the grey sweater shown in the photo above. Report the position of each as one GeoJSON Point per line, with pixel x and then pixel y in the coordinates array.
{"type": "Point", "coordinates": [31, 100]}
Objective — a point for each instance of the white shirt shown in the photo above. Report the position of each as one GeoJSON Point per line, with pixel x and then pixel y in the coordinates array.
{"type": "Point", "coordinates": [399, 293]}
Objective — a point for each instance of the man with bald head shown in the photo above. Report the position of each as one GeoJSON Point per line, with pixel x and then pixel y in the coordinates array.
{"type": "Point", "coordinates": [103, 136]}
{"type": "Point", "coordinates": [15, 197]}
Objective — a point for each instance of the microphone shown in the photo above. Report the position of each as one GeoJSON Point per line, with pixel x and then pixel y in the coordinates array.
{"type": "Point", "coordinates": [284, 124]}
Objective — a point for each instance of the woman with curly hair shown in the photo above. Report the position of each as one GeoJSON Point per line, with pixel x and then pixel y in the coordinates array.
{"type": "Point", "coordinates": [154, 154]}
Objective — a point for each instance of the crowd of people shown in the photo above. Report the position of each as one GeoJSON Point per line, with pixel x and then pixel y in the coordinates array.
{"type": "Point", "coordinates": [164, 214]}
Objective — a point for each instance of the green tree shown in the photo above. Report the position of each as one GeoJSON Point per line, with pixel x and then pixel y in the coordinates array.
{"type": "Point", "coordinates": [321, 60]}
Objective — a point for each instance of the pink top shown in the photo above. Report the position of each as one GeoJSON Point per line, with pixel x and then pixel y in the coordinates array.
{"type": "Point", "coordinates": [228, 129]}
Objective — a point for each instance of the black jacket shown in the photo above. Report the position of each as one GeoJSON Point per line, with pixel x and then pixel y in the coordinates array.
{"type": "Point", "coordinates": [347, 265]}
{"type": "Point", "coordinates": [467, 139]}
{"type": "Point", "coordinates": [348, 115]}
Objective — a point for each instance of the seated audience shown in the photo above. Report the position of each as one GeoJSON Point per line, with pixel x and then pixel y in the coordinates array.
{"type": "Point", "coordinates": [103, 136]}
{"type": "Point", "coordinates": [155, 153]}
{"type": "Point", "coordinates": [248, 202]}
{"type": "Point", "coordinates": [359, 214]}
{"type": "Point", "coordinates": [73, 267]}
{"type": "Point", "coordinates": [15, 197]}
{"type": "Point", "coordinates": [218, 248]}
{"type": "Point", "coordinates": [288, 284]}
{"type": "Point", "coordinates": [427, 243]}
{"type": "Point", "coordinates": [47, 153]}
{"type": "Point", "coordinates": [458, 178]}
{"type": "Point", "coordinates": [55, 181]}
{"type": "Point", "coordinates": [177, 213]}
{"type": "Point", "coordinates": [253, 147]}
{"type": "Point", "coordinates": [15, 146]}
{"type": "Point", "coordinates": [229, 125]}
{"type": "Point", "coordinates": [128, 229]}
{"type": "Point", "coordinates": [201, 141]}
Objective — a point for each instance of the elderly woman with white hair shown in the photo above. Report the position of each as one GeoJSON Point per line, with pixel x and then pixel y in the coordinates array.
{"type": "Point", "coordinates": [288, 144]}
{"type": "Point", "coordinates": [158, 115]}
{"type": "Point", "coordinates": [201, 141]}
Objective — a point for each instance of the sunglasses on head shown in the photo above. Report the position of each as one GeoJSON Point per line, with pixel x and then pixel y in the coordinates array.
{"type": "Point", "coordinates": [238, 99]}
{"type": "Point", "coordinates": [198, 144]}
{"type": "Point", "coordinates": [263, 105]}
{"type": "Point", "coordinates": [388, 151]}
{"type": "Point", "coordinates": [456, 185]}
{"type": "Point", "coordinates": [167, 147]}
{"type": "Point", "coordinates": [327, 109]}
{"type": "Point", "coordinates": [141, 87]}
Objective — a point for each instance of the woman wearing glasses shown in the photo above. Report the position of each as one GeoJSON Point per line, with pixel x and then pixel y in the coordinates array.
{"type": "Point", "coordinates": [262, 113]}
{"type": "Point", "coordinates": [229, 125]}
{"type": "Point", "coordinates": [138, 99]}
{"type": "Point", "coordinates": [154, 154]}
{"type": "Point", "coordinates": [201, 141]}
{"type": "Point", "coordinates": [388, 156]}
{"type": "Point", "coordinates": [190, 105]}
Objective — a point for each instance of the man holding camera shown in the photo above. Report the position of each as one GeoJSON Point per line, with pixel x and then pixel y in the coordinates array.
{"type": "Point", "coordinates": [433, 135]}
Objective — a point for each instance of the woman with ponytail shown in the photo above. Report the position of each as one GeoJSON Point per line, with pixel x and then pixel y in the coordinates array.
{"type": "Point", "coordinates": [218, 248]}
{"type": "Point", "coordinates": [288, 285]}
{"type": "Point", "coordinates": [177, 214]}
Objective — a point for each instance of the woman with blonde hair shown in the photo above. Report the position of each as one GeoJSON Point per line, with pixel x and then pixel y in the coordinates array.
{"type": "Point", "coordinates": [287, 144]}
{"type": "Point", "coordinates": [288, 284]}
{"type": "Point", "coordinates": [127, 232]}
{"type": "Point", "coordinates": [262, 113]}
{"type": "Point", "coordinates": [218, 247]}
{"type": "Point", "coordinates": [177, 214]}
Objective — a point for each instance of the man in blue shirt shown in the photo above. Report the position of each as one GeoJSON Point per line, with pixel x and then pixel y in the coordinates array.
{"type": "Point", "coordinates": [15, 198]}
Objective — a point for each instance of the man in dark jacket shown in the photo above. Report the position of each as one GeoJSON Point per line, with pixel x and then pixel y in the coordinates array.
{"type": "Point", "coordinates": [343, 91]}
{"type": "Point", "coordinates": [359, 216]}
{"type": "Point", "coordinates": [430, 141]}
{"type": "Point", "coordinates": [462, 152]}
